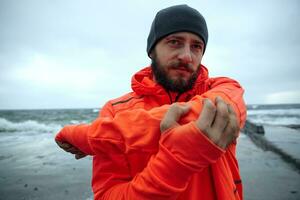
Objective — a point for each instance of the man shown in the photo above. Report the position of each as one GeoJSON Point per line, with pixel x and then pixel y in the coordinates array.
{"type": "Point", "coordinates": [146, 149]}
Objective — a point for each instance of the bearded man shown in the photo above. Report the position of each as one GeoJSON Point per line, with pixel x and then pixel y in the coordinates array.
{"type": "Point", "coordinates": [152, 143]}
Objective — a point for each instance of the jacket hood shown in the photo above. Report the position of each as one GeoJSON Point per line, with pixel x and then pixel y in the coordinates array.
{"type": "Point", "coordinates": [142, 82]}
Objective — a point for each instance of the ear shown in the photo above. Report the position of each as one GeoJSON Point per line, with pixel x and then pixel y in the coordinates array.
{"type": "Point", "coordinates": [151, 54]}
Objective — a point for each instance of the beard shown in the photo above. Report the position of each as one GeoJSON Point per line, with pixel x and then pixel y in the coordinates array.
{"type": "Point", "coordinates": [178, 84]}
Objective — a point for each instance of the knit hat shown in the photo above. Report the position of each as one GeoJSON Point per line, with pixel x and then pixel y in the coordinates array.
{"type": "Point", "coordinates": [176, 19]}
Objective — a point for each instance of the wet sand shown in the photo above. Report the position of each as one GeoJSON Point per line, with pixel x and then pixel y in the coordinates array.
{"type": "Point", "coordinates": [265, 175]}
{"type": "Point", "coordinates": [35, 168]}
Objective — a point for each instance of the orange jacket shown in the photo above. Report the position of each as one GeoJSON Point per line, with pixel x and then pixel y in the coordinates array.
{"type": "Point", "coordinates": [133, 160]}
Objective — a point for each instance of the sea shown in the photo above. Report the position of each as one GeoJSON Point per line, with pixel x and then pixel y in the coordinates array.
{"type": "Point", "coordinates": [50, 121]}
{"type": "Point", "coordinates": [32, 166]}
{"type": "Point", "coordinates": [28, 151]}
{"type": "Point", "coordinates": [275, 114]}
{"type": "Point", "coordinates": [43, 121]}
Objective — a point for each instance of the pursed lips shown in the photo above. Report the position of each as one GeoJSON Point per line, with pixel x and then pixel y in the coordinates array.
{"type": "Point", "coordinates": [181, 69]}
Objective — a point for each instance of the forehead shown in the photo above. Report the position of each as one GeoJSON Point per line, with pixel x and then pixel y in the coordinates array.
{"type": "Point", "coordinates": [185, 36]}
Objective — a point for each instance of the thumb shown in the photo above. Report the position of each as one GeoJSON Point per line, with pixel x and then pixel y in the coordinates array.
{"type": "Point", "coordinates": [174, 113]}
{"type": "Point", "coordinates": [182, 110]}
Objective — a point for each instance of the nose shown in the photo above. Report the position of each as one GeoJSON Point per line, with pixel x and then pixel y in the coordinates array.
{"type": "Point", "coordinates": [185, 55]}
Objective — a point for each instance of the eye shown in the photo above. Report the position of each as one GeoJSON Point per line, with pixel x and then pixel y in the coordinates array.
{"type": "Point", "coordinates": [174, 42]}
{"type": "Point", "coordinates": [197, 46]}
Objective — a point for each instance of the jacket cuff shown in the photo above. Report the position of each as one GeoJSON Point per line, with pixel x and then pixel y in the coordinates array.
{"type": "Point", "coordinates": [191, 147]}
{"type": "Point", "coordinates": [183, 151]}
{"type": "Point", "coordinates": [168, 172]}
{"type": "Point", "coordinates": [77, 136]}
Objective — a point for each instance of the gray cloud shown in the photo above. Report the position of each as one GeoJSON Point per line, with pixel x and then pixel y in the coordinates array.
{"type": "Point", "coordinates": [255, 42]}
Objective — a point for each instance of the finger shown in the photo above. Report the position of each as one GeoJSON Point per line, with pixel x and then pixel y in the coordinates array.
{"type": "Point", "coordinates": [73, 150]}
{"type": "Point", "coordinates": [207, 115]}
{"type": "Point", "coordinates": [79, 156]}
{"type": "Point", "coordinates": [233, 124]}
{"type": "Point", "coordinates": [68, 148]}
{"type": "Point", "coordinates": [174, 113]}
{"type": "Point", "coordinates": [222, 115]}
{"type": "Point", "coordinates": [63, 145]}
{"type": "Point", "coordinates": [184, 108]}
{"type": "Point", "coordinates": [231, 131]}
{"type": "Point", "coordinates": [231, 110]}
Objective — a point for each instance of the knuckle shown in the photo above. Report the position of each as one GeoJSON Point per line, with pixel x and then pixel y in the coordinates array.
{"type": "Point", "coordinates": [164, 125]}
{"type": "Point", "coordinates": [178, 108]}
{"type": "Point", "coordinates": [234, 130]}
{"type": "Point", "coordinates": [230, 127]}
{"type": "Point", "coordinates": [222, 103]}
{"type": "Point", "coordinates": [234, 123]}
{"type": "Point", "coordinates": [174, 108]}
{"type": "Point", "coordinates": [236, 126]}
{"type": "Point", "coordinates": [223, 112]}
{"type": "Point", "coordinates": [232, 112]}
{"type": "Point", "coordinates": [204, 126]}
{"type": "Point", "coordinates": [210, 106]}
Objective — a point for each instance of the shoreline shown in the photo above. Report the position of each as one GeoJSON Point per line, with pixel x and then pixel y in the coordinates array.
{"type": "Point", "coordinates": [33, 167]}
{"type": "Point", "coordinates": [293, 126]}
{"type": "Point", "coordinates": [282, 140]}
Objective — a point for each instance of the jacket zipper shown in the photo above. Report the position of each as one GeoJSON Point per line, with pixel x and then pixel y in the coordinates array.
{"type": "Point", "coordinates": [176, 98]}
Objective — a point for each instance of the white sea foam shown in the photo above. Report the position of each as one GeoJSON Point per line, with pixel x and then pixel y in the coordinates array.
{"type": "Point", "coordinates": [283, 121]}
{"type": "Point", "coordinates": [95, 110]}
{"type": "Point", "coordinates": [275, 116]}
{"type": "Point", "coordinates": [27, 126]}
{"type": "Point", "coordinates": [75, 122]}
{"type": "Point", "coordinates": [283, 112]}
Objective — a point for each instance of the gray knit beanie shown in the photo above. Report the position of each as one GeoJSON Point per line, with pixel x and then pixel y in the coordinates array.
{"type": "Point", "coordinates": [176, 19]}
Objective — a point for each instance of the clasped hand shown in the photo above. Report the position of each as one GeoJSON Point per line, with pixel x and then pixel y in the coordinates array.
{"type": "Point", "coordinates": [217, 121]}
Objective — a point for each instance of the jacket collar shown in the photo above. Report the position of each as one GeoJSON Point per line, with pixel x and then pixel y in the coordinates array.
{"type": "Point", "coordinates": [142, 83]}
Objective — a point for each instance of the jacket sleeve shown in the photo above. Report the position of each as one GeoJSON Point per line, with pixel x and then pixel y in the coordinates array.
{"type": "Point", "coordinates": [231, 91]}
{"type": "Point", "coordinates": [182, 150]}
{"type": "Point", "coordinates": [78, 135]}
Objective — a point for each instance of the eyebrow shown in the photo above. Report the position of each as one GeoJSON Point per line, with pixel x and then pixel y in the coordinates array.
{"type": "Point", "coordinates": [170, 37]}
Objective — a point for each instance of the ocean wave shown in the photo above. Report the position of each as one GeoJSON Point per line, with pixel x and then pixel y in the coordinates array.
{"type": "Point", "coordinates": [281, 117]}
{"type": "Point", "coordinates": [77, 122]}
{"type": "Point", "coordinates": [281, 121]}
{"type": "Point", "coordinates": [96, 110]}
{"type": "Point", "coordinates": [27, 126]}
{"type": "Point", "coordinates": [282, 112]}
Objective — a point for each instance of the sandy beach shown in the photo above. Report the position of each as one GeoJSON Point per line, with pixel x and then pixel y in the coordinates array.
{"type": "Point", "coordinates": [35, 168]}
{"type": "Point", "coordinates": [265, 175]}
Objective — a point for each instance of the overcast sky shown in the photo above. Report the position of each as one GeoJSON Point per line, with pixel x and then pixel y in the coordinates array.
{"type": "Point", "coordinates": [79, 54]}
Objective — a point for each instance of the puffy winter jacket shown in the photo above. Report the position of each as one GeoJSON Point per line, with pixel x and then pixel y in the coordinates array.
{"type": "Point", "coordinates": [133, 160]}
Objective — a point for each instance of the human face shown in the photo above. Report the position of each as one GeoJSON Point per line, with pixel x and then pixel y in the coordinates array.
{"type": "Point", "coordinates": [176, 61]}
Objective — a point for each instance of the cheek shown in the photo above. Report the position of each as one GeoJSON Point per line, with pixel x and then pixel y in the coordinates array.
{"type": "Point", "coordinates": [197, 63]}
{"type": "Point", "coordinates": [196, 67]}
{"type": "Point", "coordinates": [162, 59]}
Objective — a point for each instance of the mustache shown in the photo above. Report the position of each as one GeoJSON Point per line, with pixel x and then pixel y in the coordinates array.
{"type": "Point", "coordinates": [179, 65]}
